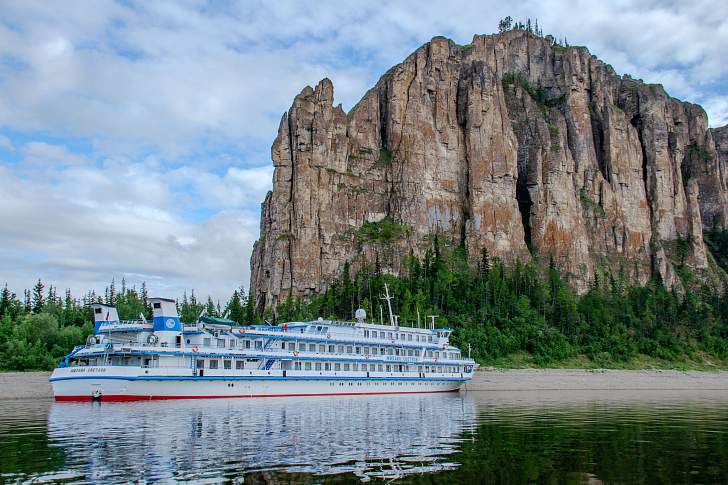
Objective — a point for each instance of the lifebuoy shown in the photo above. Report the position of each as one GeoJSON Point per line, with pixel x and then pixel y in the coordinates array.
{"type": "Point", "coordinates": [295, 353]}
{"type": "Point", "coordinates": [328, 335]}
{"type": "Point", "coordinates": [195, 348]}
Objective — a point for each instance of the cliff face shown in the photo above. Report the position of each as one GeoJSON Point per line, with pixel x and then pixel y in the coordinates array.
{"type": "Point", "coordinates": [510, 143]}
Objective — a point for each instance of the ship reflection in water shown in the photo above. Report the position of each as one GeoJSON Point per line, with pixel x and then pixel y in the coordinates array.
{"type": "Point", "coordinates": [368, 436]}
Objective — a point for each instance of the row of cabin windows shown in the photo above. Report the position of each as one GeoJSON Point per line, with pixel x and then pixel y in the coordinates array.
{"type": "Point", "coordinates": [227, 364]}
{"type": "Point", "coordinates": [232, 343]}
{"type": "Point", "coordinates": [349, 349]}
{"type": "Point", "coordinates": [398, 336]}
{"type": "Point", "coordinates": [337, 366]}
{"type": "Point", "coordinates": [331, 348]}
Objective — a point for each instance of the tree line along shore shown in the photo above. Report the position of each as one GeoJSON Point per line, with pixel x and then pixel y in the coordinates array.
{"type": "Point", "coordinates": [509, 315]}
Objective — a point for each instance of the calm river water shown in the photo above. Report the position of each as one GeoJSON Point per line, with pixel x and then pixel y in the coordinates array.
{"type": "Point", "coordinates": [478, 437]}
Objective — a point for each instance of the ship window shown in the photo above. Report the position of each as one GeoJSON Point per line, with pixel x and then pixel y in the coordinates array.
{"type": "Point", "coordinates": [366, 350]}
{"type": "Point", "coordinates": [291, 346]}
{"type": "Point", "coordinates": [389, 352]}
{"type": "Point", "coordinates": [322, 348]}
{"type": "Point", "coordinates": [374, 350]}
{"type": "Point", "coordinates": [312, 347]}
{"type": "Point", "coordinates": [409, 352]}
{"type": "Point", "coordinates": [213, 364]}
{"type": "Point", "coordinates": [346, 366]}
{"type": "Point", "coordinates": [409, 337]}
{"type": "Point", "coordinates": [340, 349]}
{"type": "Point", "coordinates": [389, 335]}
{"type": "Point", "coordinates": [355, 366]}
{"type": "Point", "coordinates": [382, 351]}
{"type": "Point", "coordinates": [227, 364]}
{"type": "Point", "coordinates": [372, 367]}
{"type": "Point", "coordinates": [327, 365]}
{"type": "Point", "coordinates": [301, 346]}
{"type": "Point", "coordinates": [188, 341]}
{"type": "Point", "coordinates": [307, 366]}
{"type": "Point", "coordinates": [232, 343]}
{"type": "Point", "coordinates": [97, 310]}
{"type": "Point", "coordinates": [157, 306]}
{"type": "Point", "coordinates": [206, 342]}
{"type": "Point", "coordinates": [221, 343]}
{"type": "Point", "coordinates": [200, 364]}
{"type": "Point", "coordinates": [374, 334]}
{"type": "Point", "coordinates": [258, 344]}
{"type": "Point", "coordinates": [247, 344]}
{"type": "Point", "coordinates": [337, 366]}
{"type": "Point", "coordinates": [332, 348]}
{"type": "Point", "coordinates": [380, 367]}
{"type": "Point", "coordinates": [240, 364]}
{"type": "Point", "coordinates": [349, 349]}
{"type": "Point", "coordinates": [297, 365]}
{"type": "Point", "coordinates": [318, 366]}
{"type": "Point", "coordinates": [389, 368]}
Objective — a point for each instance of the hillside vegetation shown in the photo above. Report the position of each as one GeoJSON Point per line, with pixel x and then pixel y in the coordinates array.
{"type": "Point", "coordinates": [520, 315]}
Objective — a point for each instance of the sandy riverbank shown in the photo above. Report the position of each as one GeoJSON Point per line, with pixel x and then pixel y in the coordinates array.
{"type": "Point", "coordinates": [35, 385]}
{"type": "Point", "coordinates": [597, 380]}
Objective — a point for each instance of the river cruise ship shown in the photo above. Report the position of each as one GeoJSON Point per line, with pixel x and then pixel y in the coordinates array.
{"type": "Point", "coordinates": [167, 359]}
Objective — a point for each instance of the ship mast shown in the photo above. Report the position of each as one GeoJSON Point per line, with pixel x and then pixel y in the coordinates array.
{"type": "Point", "coordinates": [389, 303]}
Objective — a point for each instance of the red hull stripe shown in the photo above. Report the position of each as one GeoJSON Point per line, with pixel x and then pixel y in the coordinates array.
{"type": "Point", "coordinates": [125, 397]}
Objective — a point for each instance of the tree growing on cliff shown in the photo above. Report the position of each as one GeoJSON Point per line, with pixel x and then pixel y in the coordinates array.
{"type": "Point", "coordinates": [505, 24]}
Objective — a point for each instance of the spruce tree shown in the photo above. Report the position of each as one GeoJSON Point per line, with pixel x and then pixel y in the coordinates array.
{"type": "Point", "coordinates": [234, 308]}
{"type": "Point", "coordinates": [38, 299]}
{"type": "Point", "coordinates": [4, 300]}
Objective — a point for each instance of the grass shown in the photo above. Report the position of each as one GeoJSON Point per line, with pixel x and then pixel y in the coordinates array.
{"type": "Point", "coordinates": [587, 203]}
{"type": "Point", "coordinates": [385, 158]}
{"type": "Point", "coordinates": [700, 152]}
{"type": "Point", "coordinates": [554, 135]}
{"type": "Point", "coordinates": [384, 231]}
{"type": "Point", "coordinates": [536, 91]}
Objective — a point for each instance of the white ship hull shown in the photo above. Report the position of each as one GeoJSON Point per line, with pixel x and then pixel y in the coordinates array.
{"type": "Point", "coordinates": [130, 384]}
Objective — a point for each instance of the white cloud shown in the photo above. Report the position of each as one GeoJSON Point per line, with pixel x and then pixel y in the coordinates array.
{"type": "Point", "coordinates": [717, 109]}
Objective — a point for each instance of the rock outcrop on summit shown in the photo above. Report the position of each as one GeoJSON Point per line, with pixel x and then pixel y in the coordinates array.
{"type": "Point", "coordinates": [510, 143]}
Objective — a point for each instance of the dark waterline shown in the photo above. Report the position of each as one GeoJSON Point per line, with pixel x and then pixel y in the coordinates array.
{"type": "Point", "coordinates": [556, 437]}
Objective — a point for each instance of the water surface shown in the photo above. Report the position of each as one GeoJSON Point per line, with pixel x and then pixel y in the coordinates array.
{"type": "Point", "coordinates": [478, 437]}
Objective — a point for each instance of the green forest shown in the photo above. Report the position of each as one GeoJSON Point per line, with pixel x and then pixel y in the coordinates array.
{"type": "Point", "coordinates": [528, 314]}
{"type": "Point", "coordinates": [511, 315]}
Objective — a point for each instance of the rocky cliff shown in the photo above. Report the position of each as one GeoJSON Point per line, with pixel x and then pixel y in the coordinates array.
{"type": "Point", "coordinates": [510, 143]}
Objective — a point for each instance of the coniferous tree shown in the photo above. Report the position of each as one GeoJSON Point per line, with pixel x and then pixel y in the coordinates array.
{"type": "Point", "coordinates": [4, 300]}
{"type": "Point", "coordinates": [234, 308]}
{"type": "Point", "coordinates": [250, 308]}
{"type": "Point", "coordinates": [210, 307]}
{"type": "Point", "coordinates": [38, 298]}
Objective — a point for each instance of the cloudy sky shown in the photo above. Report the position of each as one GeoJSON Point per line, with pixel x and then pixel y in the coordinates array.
{"type": "Point", "coordinates": [135, 135]}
